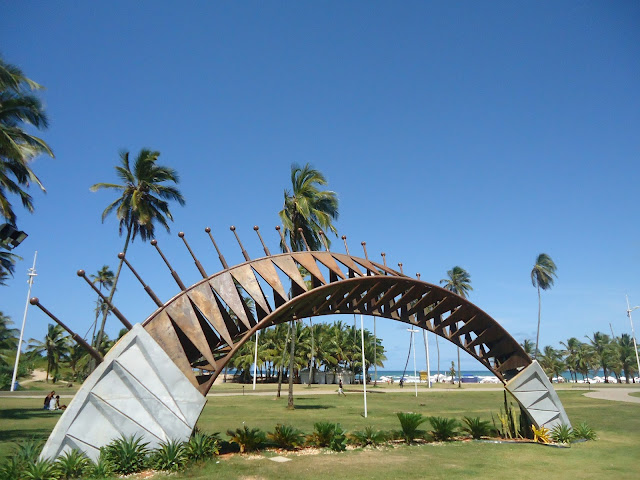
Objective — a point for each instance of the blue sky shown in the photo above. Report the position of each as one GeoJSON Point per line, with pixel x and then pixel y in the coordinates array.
{"type": "Point", "coordinates": [471, 134]}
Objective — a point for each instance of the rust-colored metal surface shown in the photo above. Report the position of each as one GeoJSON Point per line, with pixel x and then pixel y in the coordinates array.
{"type": "Point", "coordinates": [203, 326]}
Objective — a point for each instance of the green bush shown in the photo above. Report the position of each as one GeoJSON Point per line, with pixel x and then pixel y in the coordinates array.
{"type": "Point", "coordinates": [247, 440]}
{"type": "Point", "coordinates": [409, 423]}
{"type": "Point", "coordinates": [170, 456]}
{"type": "Point", "coordinates": [286, 436]}
{"type": "Point", "coordinates": [202, 446]}
{"type": "Point", "coordinates": [102, 468]}
{"type": "Point", "coordinates": [127, 455]}
{"type": "Point", "coordinates": [562, 433]}
{"type": "Point", "coordinates": [12, 468]}
{"type": "Point", "coordinates": [584, 431]}
{"type": "Point", "coordinates": [73, 464]}
{"type": "Point", "coordinates": [368, 436]}
{"type": "Point", "coordinates": [443, 429]}
{"type": "Point", "coordinates": [476, 428]}
{"type": "Point", "coordinates": [327, 434]}
{"type": "Point", "coordinates": [41, 470]}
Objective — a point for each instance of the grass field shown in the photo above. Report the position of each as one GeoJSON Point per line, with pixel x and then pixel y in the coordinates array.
{"type": "Point", "coordinates": [614, 455]}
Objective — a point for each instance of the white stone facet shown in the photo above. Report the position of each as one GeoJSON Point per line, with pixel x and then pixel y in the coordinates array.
{"type": "Point", "coordinates": [137, 390]}
{"type": "Point", "coordinates": [533, 391]}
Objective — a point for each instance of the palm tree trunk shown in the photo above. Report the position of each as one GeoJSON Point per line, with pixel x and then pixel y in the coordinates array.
{"type": "Point", "coordinates": [113, 290]}
{"type": "Point", "coordinates": [291, 355]}
{"type": "Point", "coordinates": [535, 353]}
{"type": "Point", "coordinates": [284, 352]}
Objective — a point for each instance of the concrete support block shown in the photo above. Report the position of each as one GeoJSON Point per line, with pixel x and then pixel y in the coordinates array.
{"type": "Point", "coordinates": [136, 390]}
{"type": "Point", "coordinates": [533, 391]}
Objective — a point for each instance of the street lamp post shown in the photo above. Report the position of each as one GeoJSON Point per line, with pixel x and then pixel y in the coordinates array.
{"type": "Point", "coordinates": [32, 273]}
{"type": "Point", "coordinates": [633, 333]}
{"type": "Point", "coordinates": [415, 373]}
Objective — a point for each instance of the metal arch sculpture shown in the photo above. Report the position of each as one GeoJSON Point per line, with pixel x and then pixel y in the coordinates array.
{"type": "Point", "coordinates": [202, 327]}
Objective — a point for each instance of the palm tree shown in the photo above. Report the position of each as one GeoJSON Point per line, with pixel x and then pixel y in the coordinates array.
{"type": "Point", "coordinates": [7, 264]}
{"type": "Point", "coordinates": [56, 346]}
{"type": "Point", "coordinates": [18, 108]}
{"type": "Point", "coordinates": [458, 281]}
{"type": "Point", "coordinates": [603, 352]}
{"type": "Point", "coordinates": [527, 346]}
{"type": "Point", "coordinates": [143, 201]}
{"type": "Point", "coordinates": [570, 352]}
{"type": "Point", "coordinates": [542, 278]}
{"type": "Point", "coordinates": [307, 210]}
{"type": "Point", "coordinates": [551, 362]}
{"type": "Point", "coordinates": [8, 339]}
{"type": "Point", "coordinates": [104, 278]}
{"type": "Point", "coordinates": [627, 356]}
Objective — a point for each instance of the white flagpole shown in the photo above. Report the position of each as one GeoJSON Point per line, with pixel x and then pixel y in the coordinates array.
{"type": "Point", "coordinates": [32, 273]}
{"type": "Point", "coordinates": [255, 360]}
{"type": "Point", "coordinates": [364, 374]}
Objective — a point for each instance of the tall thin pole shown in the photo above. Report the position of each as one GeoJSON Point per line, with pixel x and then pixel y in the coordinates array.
{"type": "Point", "coordinates": [415, 372]}
{"type": "Point", "coordinates": [426, 349]}
{"type": "Point", "coordinates": [32, 273]}
{"type": "Point", "coordinates": [255, 360]}
{"type": "Point", "coordinates": [364, 375]}
{"type": "Point", "coordinates": [633, 333]}
{"type": "Point", "coordinates": [375, 353]}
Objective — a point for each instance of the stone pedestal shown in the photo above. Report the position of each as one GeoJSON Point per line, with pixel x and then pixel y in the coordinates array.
{"type": "Point", "coordinates": [533, 391]}
{"type": "Point", "coordinates": [136, 390]}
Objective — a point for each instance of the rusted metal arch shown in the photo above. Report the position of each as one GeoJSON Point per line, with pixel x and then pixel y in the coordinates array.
{"type": "Point", "coordinates": [204, 325]}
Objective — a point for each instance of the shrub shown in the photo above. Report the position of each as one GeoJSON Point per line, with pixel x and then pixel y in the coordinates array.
{"type": "Point", "coordinates": [201, 446]}
{"type": "Point", "coordinates": [443, 429]}
{"type": "Point", "coordinates": [29, 451]}
{"type": "Point", "coordinates": [286, 436]}
{"type": "Point", "coordinates": [40, 470]}
{"type": "Point", "coordinates": [561, 433]}
{"type": "Point", "coordinates": [102, 468]}
{"type": "Point", "coordinates": [171, 456]}
{"type": "Point", "coordinates": [11, 469]}
{"type": "Point", "coordinates": [368, 436]}
{"type": "Point", "coordinates": [127, 455]}
{"type": "Point", "coordinates": [409, 422]}
{"type": "Point", "coordinates": [327, 434]}
{"type": "Point", "coordinates": [476, 428]}
{"type": "Point", "coordinates": [540, 435]}
{"type": "Point", "coordinates": [584, 431]}
{"type": "Point", "coordinates": [247, 440]}
{"type": "Point", "coordinates": [73, 464]}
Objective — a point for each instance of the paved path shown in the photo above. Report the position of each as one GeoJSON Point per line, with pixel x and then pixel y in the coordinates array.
{"type": "Point", "coordinates": [615, 394]}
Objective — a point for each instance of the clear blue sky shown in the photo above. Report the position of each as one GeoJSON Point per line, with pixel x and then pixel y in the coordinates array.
{"type": "Point", "coordinates": [471, 134]}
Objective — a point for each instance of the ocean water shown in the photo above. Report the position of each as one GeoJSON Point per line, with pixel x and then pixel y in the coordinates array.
{"type": "Point", "coordinates": [397, 374]}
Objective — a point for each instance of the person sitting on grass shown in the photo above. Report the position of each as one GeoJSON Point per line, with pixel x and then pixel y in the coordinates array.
{"type": "Point", "coordinates": [47, 400]}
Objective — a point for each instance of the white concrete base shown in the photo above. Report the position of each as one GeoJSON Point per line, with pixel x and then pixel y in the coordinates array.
{"type": "Point", "coordinates": [136, 390]}
{"type": "Point", "coordinates": [533, 391]}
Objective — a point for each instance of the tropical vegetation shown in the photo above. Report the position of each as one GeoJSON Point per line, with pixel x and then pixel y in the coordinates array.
{"type": "Point", "coordinates": [542, 278]}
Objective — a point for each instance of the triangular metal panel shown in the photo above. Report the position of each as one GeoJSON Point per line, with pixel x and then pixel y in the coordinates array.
{"type": "Point", "coordinates": [269, 274]}
{"type": "Point", "coordinates": [544, 416]}
{"type": "Point", "coordinates": [545, 403]}
{"type": "Point", "coordinates": [182, 313]}
{"type": "Point", "coordinates": [309, 263]}
{"type": "Point", "coordinates": [290, 269]}
{"type": "Point", "coordinates": [224, 286]}
{"type": "Point", "coordinates": [348, 262]}
{"type": "Point", "coordinates": [203, 298]}
{"type": "Point", "coordinates": [246, 278]}
{"type": "Point", "coordinates": [529, 398]}
{"type": "Point", "coordinates": [328, 261]}
{"type": "Point", "coordinates": [532, 385]}
{"type": "Point", "coordinates": [163, 332]}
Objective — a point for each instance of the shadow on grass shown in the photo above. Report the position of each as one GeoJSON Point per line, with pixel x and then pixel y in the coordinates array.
{"type": "Point", "coordinates": [27, 413]}
{"type": "Point", "coordinates": [18, 436]}
{"type": "Point", "coordinates": [313, 407]}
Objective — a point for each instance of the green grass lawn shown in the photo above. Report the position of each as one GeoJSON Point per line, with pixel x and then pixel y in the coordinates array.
{"type": "Point", "coordinates": [614, 455]}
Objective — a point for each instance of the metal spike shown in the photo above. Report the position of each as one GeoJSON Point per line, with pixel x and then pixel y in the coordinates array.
{"type": "Point", "coordinates": [304, 239]}
{"type": "Point", "coordinates": [266, 250]}
{"type": "Point", "coordinates": [384, 258]}
{"type": "Point", "coordinates": [364, 247]}
{"type": "Point", "coordinates": [81, 341]}
{"type": "Point", "coordinates": [244, 252]}
{"type": "Point", "coordinates": [418, 276]}
{"type": "Point", "coordinates": [324, 240]}
{"type": "Point", "coordinates": [116, 312]}
{"type": "Point", "coordinates": [146, 287]}
{"type": "Point", "coordinates": [400, 265]}
{"type": "Point", "coordinates": [197, 262]}
{"type": "Point", "coordinates": [175, 276]}
{"type": "Point", "coordinates": [220, 256]}
{"type": "Point", "coordinates": [346, 247]}
{"type": "Point", "coordinates": [282, 240]}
